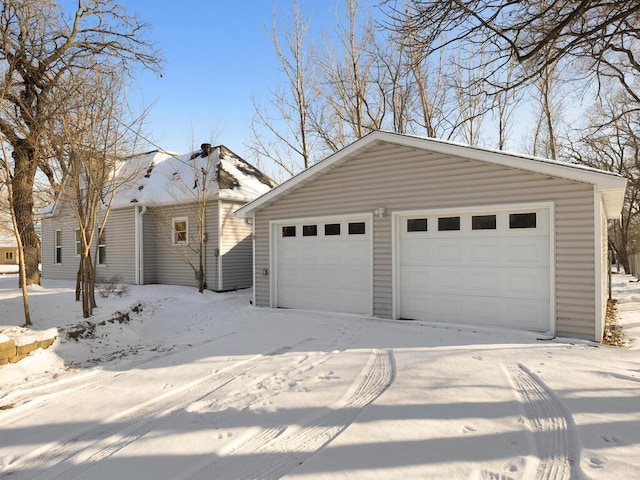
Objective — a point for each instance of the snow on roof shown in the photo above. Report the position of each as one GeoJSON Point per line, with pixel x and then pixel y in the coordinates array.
{"type": "Point", "coordinates": [161, 177]}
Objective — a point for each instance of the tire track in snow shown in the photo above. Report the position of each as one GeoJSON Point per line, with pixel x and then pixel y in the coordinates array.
{"type": "Point", "coordinates": [288, 449]}
{"type": "Point", "coordinates": [40, 395]}
{"type": "Point", "coordinates": [137, 420]}
{"type": "Point", "coordinates": [553, 428]}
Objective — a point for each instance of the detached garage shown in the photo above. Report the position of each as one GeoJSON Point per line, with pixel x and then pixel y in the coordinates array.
{"type": "Point", "coordinates": [405, 227]}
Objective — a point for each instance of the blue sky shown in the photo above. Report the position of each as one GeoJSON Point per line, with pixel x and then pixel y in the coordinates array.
{"type": "Point", "coordinates": [218, 56]}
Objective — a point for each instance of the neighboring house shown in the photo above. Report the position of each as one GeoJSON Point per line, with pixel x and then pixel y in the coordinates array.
{"type": "Point", "coordinates": [8, 249]}
{"type": "Point", "coordinates": [404, 227]}
{"type": "Point", "coordinates": [153, 222]}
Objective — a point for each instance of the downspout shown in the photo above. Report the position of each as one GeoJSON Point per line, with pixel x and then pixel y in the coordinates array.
{"type": "Point", "coordinates": [136, 245]}
{"type": "Point", "coordinates": [140, 211]}
{"type": "Point", "coordinates": [220, 282]}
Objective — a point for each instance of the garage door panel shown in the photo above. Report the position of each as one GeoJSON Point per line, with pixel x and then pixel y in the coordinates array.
{"type": "Point", "coordinates": [526, 314]}
{"type": "Point", "coordinates": [328, 273]}
{"type": "Point", "coordinates": [498, 276]}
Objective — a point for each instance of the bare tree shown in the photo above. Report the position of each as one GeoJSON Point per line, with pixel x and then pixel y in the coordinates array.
{"type": "Point", "coordinates": [5, 181]}
{"type": "Point", "coordinates": [600, 35]}
{"type": "Point", "coordinates": [431, 89]}
{"type": "Point", "coordinates": [97, 132]}
{"type": "Point", "coordinates": [347, 87]}
{"type": "Point", "coordinates": [41, 47]}
{"type": "Point", "coordinates": [505, 104]}
{"type": "Point", "coordinates": [190, 182]}
{"type": "Point", "coordinates": [470, 101]}
{"type": "Point", "coordinates": [548, 101]}
{"type": "Point", "coordinates": [611, 141]}
{"type": "Point", "coordinates": [281, 130]}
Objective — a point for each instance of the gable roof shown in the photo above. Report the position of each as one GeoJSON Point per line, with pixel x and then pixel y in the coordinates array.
{"type": "Point", "coordinates": [160, 177]}
{"type": "Point", "coordinates": [610, 185]}
{"type": "Point", "coordinates": [166, 178]}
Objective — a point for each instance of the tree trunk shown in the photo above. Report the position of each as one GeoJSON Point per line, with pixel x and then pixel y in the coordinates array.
{"type": "Point", "coordinates": [22, 183]}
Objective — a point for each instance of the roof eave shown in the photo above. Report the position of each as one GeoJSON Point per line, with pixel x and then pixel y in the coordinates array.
{"type": "Point", "coordinates": [604, 181]}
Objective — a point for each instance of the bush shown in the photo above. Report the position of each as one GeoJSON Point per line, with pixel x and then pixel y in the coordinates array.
{"type": "Point", "coordinates": [111, 285]}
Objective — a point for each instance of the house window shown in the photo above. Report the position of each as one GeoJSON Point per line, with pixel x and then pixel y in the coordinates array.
{"type": "Point", "coordinates": [356, 228]}
{"type": "Point", "coordinates": [180, 230]}
{"type": "Point", "coordinates": [289, 231]}
{"type": "Point", "coordinates": [448, 223]}
{"type": "Point", "coordinates": [417, 225]}
{"type": "Point", "coordinates": [483, 222]}
{"type": "Point", "coordinates": [332, 229]}
{"type": "Point", "coordinates": [8, 256]}
{"type": "Point", "coordinates": [522, 220]}
{"type": "Point", "coordinates": [102, 247]}
{"type": "Point", "coordinates": [309, 230]}
{"type": "Point", "coordinates": [78, 242]}
{"type": "Point", "coordinates": [57, 245]}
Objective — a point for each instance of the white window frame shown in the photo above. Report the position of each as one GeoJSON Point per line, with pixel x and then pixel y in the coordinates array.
{"type": "Point", "coordinates": [8, 256]}
{"type": "Point", "coordinates": [57, 247]}
{"type": "Point", "coordinates": [101, 245]}
{"type": "Point", "coordinates": [174, 239]}
{"type": "Point", "coordinates": [77, 239]}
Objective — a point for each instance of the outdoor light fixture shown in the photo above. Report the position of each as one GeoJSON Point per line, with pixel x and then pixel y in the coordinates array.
{"type": "Point", "coordinates": [380, 212]}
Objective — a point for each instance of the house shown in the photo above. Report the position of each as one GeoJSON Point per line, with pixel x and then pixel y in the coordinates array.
{"type": "Point", "coordinates": [151, 231]}
{"type": "Point", "coordinates": [403, 227]}
{"type": "Point", "coordinates": [8, 248]}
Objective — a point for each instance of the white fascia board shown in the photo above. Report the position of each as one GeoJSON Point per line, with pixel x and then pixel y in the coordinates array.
{"type": "Point", "coordinates": [604, 181]}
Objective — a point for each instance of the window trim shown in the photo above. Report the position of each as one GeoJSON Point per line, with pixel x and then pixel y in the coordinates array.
{"type": "Point", "coordinates": [522, 215]}
{"type": "Point", "coordinates": [451, 217]}
{"type": "Point", "coordinates": [291, 229]}
{"type": "Point", "coordinates": [310, 230]}
{"type": "Point", "coordinates": [364, 226]}
{"type": "Point", "coordinates": [102, 245]}
{"type": "Point", "coordinates": [174, 240]}
{"type": "Point", "coordinates": [57, 247]}
{"type": "Point", "coordinates": [483, 228]}
{"type": "Point", "coordinates": [335, 233]}
{"type": "Point", "coordinates": [411, 226]}
{"type": "Point", "coordinates": [77, 242]}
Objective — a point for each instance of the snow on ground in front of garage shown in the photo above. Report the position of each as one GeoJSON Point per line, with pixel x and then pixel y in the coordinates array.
{"type": "Point", "coordinates": [207, 386]}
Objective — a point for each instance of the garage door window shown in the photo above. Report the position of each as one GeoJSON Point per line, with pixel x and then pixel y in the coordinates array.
{"type": "Point", "coordinates": [417, 225]}
{"type": "Point", "coordinates": [448, 223]}
{"type": "Point", "coordinates": [356, 228]}
{"type": "Point", "coordinates": [289, 231]}
{"type": "Point", "coordinates": [332, 229]}
{"type": "Point", "coordinates": [483, 222]}
{"type": "Point", "coordinates": [309, 230]}
{"type": "Point", "coordinates": [522, 220]}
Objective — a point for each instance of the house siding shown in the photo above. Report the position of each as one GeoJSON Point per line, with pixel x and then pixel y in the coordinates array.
{"type": "Point", "coordinates": [236, 249]}
{"type": "Point", "coordinates": [119, 234]}
{"type": "Point", "coordinates": [120, 237]}
{"type": "Point", "coordinates": [404, 179]}
{"type": "Point", "coordinates": [167, 263]}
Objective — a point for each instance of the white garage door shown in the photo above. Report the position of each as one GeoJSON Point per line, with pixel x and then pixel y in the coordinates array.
{"type": "Point", "coordinates": [324, 265]}
{"type": "Point", "coordinates": [486, 267]}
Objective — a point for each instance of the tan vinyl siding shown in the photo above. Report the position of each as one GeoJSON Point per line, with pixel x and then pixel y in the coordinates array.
{"type": "Point", "coordinates": [120, 237]}
{"type": "Point", "coordinates": [236, 249]}
{"type": "Point", "coordinates": [404, 179]}
{"type": "Point", "coordinates": [168, 263]}
{"type": "Point", "coordinates": [119, 234]}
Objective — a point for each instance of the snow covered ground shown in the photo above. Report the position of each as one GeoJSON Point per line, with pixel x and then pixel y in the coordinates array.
{"type": "Point", "coordinates": [206, 386]}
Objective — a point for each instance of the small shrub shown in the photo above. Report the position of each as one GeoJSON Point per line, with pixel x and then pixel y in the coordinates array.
{"type": "Point", "coordinates": [111, 285]}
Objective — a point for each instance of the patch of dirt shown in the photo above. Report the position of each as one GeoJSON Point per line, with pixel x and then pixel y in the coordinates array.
{"type": "Point", "coordinates": [613, 332]}
{"type": "Point", "coordinates": [87, 329]}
